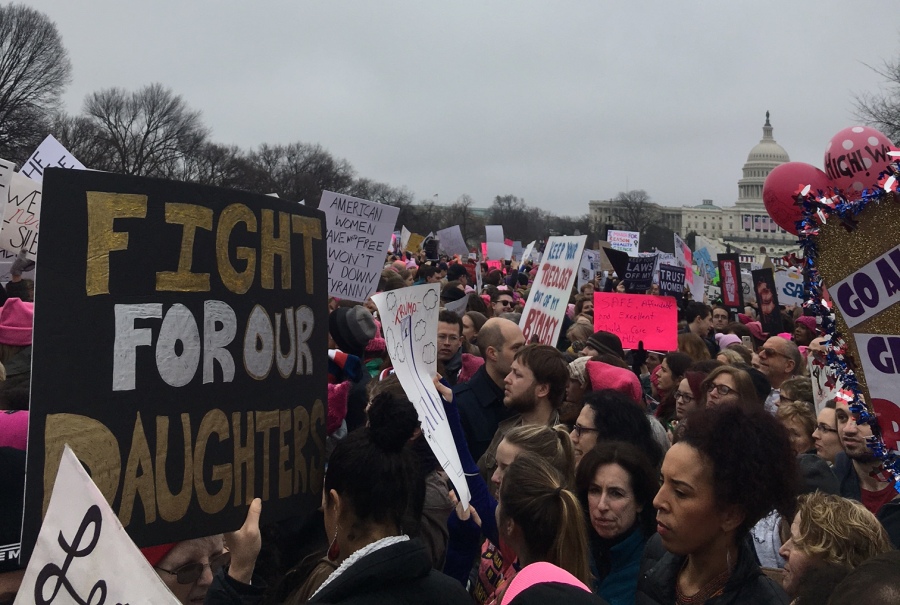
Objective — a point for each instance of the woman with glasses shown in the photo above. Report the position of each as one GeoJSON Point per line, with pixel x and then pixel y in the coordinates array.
{"type": "Point", "coordinates": [187, 567]}
{"type": "Point", "coordinates": [728, 470]}
{"type": "Point", "coordinates": [616, 485]}
{"type": "Point", "coordinates": [727, 385]}
{"type": "Point", "coordinates": [609, 415]}
{"type": "Point", "coordinates": [825, 436]}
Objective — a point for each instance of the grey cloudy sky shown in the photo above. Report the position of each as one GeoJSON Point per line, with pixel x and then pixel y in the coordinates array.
{"type": "Point", "coordinates": [558, 102]}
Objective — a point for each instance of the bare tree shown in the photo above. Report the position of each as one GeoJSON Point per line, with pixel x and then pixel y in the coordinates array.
{"type": "Point", "coordinates": [301, 171]}
{"type": "Point", "coordinates": [460, 213]}
{"type": "Point", "coordinates": [633, 210]}
{"type": "Point", "coordinates": [147, 132]}
{"type": "Point", "coordinates": [511, 212]}
{"type": "Point", "coordinates": [882, 110]}
{"type": "Point", "coordinates": [34, 70]}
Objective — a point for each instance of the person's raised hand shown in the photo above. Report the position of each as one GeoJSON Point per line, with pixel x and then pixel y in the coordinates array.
{"type": "Point", "coordinates": [244, 545]}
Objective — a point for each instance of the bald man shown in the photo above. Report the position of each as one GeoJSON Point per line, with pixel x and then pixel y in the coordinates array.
{"type": "Point", "coordinates": [480, 400]}
{"type": "Point", "coordinates": [779, 359]}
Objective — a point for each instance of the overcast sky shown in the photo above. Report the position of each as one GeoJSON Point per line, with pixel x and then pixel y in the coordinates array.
{"type": "Point", "coordinates": [557, 102]}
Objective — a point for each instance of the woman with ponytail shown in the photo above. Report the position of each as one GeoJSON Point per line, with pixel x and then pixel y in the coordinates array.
{"type": "Point", "coordinates": [539, 517]}
{"type": "Point", "coordinates": [371, 485]}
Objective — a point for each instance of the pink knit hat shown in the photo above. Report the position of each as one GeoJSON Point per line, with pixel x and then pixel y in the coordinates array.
{"type": "Point", "coordinates": [606, 376]}
{"type": "Point", "coordinates": [16, 320]}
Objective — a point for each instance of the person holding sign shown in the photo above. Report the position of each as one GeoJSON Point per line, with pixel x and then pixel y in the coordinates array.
{"type": "Point", "coordinates": [371, 482]}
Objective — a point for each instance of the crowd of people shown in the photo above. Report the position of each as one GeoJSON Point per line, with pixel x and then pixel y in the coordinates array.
{"type": "Point", "coordinates": [597, 474]}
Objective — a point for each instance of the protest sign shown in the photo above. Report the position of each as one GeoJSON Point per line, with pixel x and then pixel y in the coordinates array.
{"type": "Point", "coordinates": [518, 250]}
{"type": "Point", "coordinates": [605, 265]}
{"type": "Point", "coordinates": [636, 318]}
{"type": "Point", "coordinates": [7, 169]}
{"type": "Point", "coordinates": [507, 249]}
{"type": "Point", "coordinates": [49, 154]}
{"type": "Point", "coordinates": [21, 217]}
{"type": "Point", "coordinates": [790, 287]}
{"type": "Point", "coordinates": [549, 295]}
{"type": "Point", "coordinates": [698, 286]}
{"type": "Point", "coordinates": [619, 261]}
{"type": "Point", "coordinates": [175, 349]}
{"type": "Point", "coordinates": [458, 306]}
{"type": "Point", "coordinates": [359, 232]}
{"type": "Point", "coordinates": [478, 281]}
{"type": "Point", "coordinates": [671, 281]}
{"type": "Point", "coordinates": [624, 241]}
{"type": "Point", "coordinates": [684, 257]}
{"type": "Point", "coordinates": [588, 268]}
{"type": "Point", "coordinates": [404, 237]}
{"type": "Point", "coordinates": [747, 290]}
{"type": "Point", "coordinates": [82, 552]}
{"type": "Point", "coordinates": [452, 242]}
{"type": "Point", "coordinates": [409, 319]}
{"type": "Point", "coordinates": [880, 355]}
{"type": "Point", "coordinates": [870, 289]}
{"type": "Point", "coordinates": [414, 243]}
{"type": "Point", "coordinates": [639, 273]}
{"type": "Point", "coordinates": [495, 245]}
{"type": "Point", "coordinates": [818, 374]}
{"type": "Point", "coordinates": [732, 290]}
{"type": "Point", "coordinates": [767, 301]}
{"type": "Point", "coordinates": [528, 252]}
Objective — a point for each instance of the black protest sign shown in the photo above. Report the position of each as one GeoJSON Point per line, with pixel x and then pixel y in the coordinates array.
{"type": "Point", "coordinates": [671, 281]}
{"type": "Point", "coordinates": [767, 301]}
{"type": "Point", "coordinates": [639, 274]}
{"type": "Point", "coordinates": [730, 282]}
{"type": "Point", "coordinates": [619, 261]}
{"type": "Point", "coordinates": [179, 348]}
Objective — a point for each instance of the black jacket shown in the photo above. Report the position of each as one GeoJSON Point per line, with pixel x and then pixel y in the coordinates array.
{"type": "Point", "coordinates": [480, 403]}
{"type": "Point", "coordinates": [889, 515]}
{"type": "Point", "coordinates": [397, 574]}
{"type": "Point", "coordinates": [746, 586]}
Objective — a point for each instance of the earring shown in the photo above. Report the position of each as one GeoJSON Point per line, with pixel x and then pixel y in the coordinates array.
{"type": "Point", "coordinates": [334, 550]}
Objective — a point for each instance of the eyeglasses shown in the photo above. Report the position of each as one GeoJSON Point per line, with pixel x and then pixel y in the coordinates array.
{"type": "Point", "coordinates": [824, 428]}
{"type": "Point", "coordinates": [685, 397]}
{"type": "Point", "coordinates": [505, 303]}
{"type": "Point", "coordinates": [447, 338]}
{"type": "Point", "coordinates": [770, 352]}
{"type": "Point", "coordinates": [721, 389]}
{"type": "Point", "coordinates": [190, 573]}
{"type": "Point", "coordinates": [579, 430]}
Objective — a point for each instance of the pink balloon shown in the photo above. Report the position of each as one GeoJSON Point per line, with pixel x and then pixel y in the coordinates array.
{"type": "Point", "coordinates": [783, 185]}
{"type": "Point", "coordinates": [855, 157]}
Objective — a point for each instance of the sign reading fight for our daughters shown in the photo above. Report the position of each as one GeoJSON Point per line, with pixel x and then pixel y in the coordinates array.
{"type": "Point", "coordinates": [176, 332]}
{"type": "Point", "coordinates": [358, 236]}
{"type": "Point", "coordinates": [549, 296]}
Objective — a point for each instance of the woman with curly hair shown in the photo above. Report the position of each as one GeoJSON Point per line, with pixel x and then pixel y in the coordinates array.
{"type": "Point", "coordinates": [727, 471]}
{"type": "Point", "coordinates": [827, 530]}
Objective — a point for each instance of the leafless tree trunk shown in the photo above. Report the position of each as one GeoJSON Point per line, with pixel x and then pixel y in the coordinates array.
{"type": "Point", "coordinates": [633, 210]}
{"type": "Point", "coordinates": [34, 70]}
{"type": "Point", "coordinates": [882, 110]}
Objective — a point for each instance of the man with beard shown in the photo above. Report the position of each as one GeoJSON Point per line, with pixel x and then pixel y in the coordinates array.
{"type": "Point", "coordinates": [854, 468]}
{"type": "Point", "coordinates": [533, 390]}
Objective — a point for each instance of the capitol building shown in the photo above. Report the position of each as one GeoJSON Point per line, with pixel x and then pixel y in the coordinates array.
{"type": "Point", "coordinates": [744, 228]}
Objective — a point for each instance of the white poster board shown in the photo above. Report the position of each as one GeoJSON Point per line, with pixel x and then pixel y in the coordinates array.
{"type": "Point", "coordinates": [49, 154]}
{"type": "Point", "coordinates": [549, 295]}
{"type": "Point", "coordinates": [528, 253]}
{"type": "Point", "coordinates": [22, 216]}
{"type": "Point", "coordinates": [790, 287]}
{"type": "Point", "coordinates": [452, 242]}
{"type": "Point", "coordinates": [83, 554]}
{"type": "Point", "coordinates": [818, 375]}
{"type": "Point", "coordinates": [496, 245]}
{"type": "Point", "coordinates": [590, 264]}
{"type": "Point", "coordinates": [747, 287]}
{"type": "Point", "coordinates": [409, 320]}
{"type": "Point", "coordinates": [359, 232]}
{"type": "Point", "coordinates": [880, 356]}
{"type": "Point", "coordinates": [624, 241]}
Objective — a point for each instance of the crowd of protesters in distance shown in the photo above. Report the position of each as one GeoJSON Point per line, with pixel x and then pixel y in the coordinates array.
{"type": "Point", "coordinates": [597, 474]}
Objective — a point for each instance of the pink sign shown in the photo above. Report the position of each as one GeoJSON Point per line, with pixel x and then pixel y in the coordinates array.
{"type": "Point", "coordinates": [635, 318]}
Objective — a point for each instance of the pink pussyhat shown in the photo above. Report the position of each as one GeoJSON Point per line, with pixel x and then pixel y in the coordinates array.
{"type": "Point", "coordinates": [16, 320]}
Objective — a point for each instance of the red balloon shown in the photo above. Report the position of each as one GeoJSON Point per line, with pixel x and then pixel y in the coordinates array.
{"type": "Point", "coordinates": [855, 157]}
{"type": "Point", "coordinates": [783, 185]}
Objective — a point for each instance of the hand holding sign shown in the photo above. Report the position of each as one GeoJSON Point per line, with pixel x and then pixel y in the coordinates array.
{"type": "Point", "coordinates": [244, 545]}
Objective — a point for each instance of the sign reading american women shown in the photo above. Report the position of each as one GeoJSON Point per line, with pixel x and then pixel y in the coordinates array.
{"type": "Point", "coordinates": [179, 342]}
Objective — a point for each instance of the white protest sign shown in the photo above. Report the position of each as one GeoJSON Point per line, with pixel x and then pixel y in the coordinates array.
{"type": "Point", "coordinates": [359, 232]}
{"type": "Point", "coordinates": [409, 319]}
{"type": "Point", "coordinates": [880, 355]}
{"type": "Point", "coordinates": [869, 290]}
{"type": "Point", "coordinates": [517, 250]}
{"type": "Point", "coordinates": [496, 245]}
{"type": "Point", "coordinates": [404, 237]}
{"type": "Point", "coordinates": [452, 242]}
{"type": "Point", "coordinates": [697, 285]}
{"type": "Point", "coordinates": [790, 287]}
{"type": "Point", "coordinates": [22, 216]}
{"type": "Point", "coordinates": [684, 257]}
{"type": "Point", "coordinates": [549, 295]}
{"type": "Point", "coordinates": [7, 169]}
{"type": "Point", "coordinates": [529, 251]}
{"type": "Point", "coordinates": [626, 241]}
{"type": "Point", "coordinates": [747, 287]}
{"type": "Point", "coordinates": [83, 554]}
{"type": "Point", "coordinates": [590, 261]}
{"type": "Point", "coordinates": [49, 154]}
{"type": "Point", "coordinates": [479, 284]}
{"type": "Point", "coordinates": [819, 377]}
{"type": "Point", "coordinates": [458, 306]}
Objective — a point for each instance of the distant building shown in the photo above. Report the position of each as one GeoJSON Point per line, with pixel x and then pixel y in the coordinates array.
{"type": "Point", "coordinates": [746, 227]}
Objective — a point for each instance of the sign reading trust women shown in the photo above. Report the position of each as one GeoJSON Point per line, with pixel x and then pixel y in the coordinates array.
{"type": "Point", "coordinates": [549, 296]}
{"type": "Point", "coordinates": [179, 349]}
